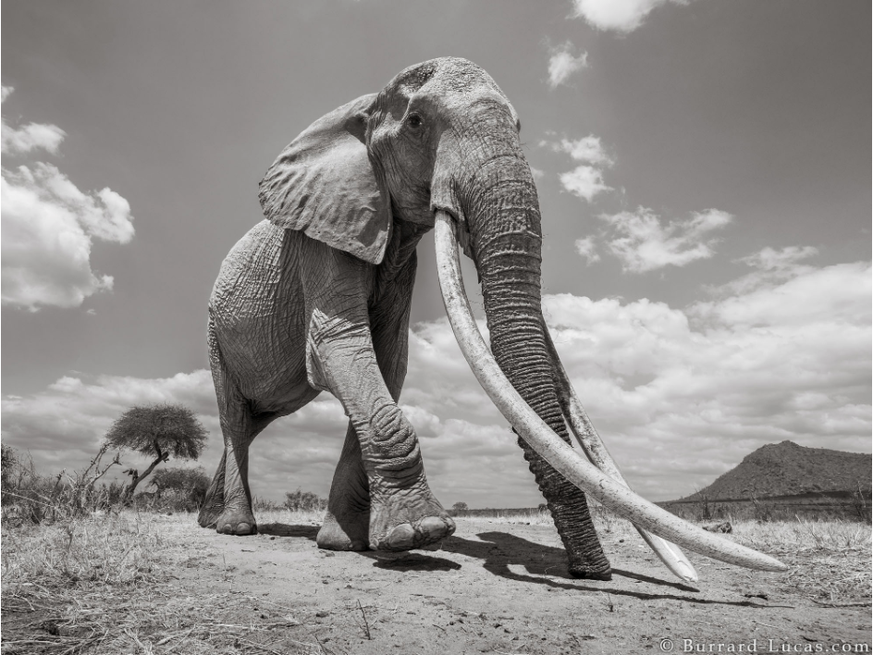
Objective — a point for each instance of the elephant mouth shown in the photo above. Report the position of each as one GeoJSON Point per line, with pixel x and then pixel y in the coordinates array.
{"type": "Point", "coordinates": [598, 477]}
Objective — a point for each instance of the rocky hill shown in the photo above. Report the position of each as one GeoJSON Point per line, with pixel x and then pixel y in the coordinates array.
{"type": "Point", "coordinates": [786, 469]}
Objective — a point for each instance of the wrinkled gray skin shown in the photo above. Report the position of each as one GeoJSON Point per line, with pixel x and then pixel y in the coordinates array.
{"type": "Point", "coordinates": [317, 298]}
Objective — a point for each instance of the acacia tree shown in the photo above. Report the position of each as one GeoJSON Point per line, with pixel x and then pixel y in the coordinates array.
{"type": "Point", "coordinates": [158, 431]}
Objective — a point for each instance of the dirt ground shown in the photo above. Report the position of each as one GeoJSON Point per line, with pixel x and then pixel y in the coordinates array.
{"type": "Point", "coordinates": [155, 584]}
{"type": "Point", "coordinates": [497, 587]}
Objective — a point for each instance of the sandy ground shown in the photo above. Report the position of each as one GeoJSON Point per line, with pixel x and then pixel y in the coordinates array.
{"type": "Point", "coordinates": [497, 587]}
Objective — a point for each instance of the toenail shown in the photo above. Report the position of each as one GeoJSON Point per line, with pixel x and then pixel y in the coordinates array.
{"type": "Point", "coordinates": [402, 536]}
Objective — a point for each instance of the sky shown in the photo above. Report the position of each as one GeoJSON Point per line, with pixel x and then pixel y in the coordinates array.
{"type": "Point", "coordinates": [703, 169]}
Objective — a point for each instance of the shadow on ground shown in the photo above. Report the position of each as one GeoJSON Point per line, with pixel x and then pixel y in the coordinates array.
{"type": "Point", "coordinates": [500, 550]}
{"type": "Point", "coordinates": [285, 530]}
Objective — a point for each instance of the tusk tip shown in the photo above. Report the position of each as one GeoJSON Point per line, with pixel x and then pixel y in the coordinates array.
{"type": "Point", "coordinates": [779, 567]}
{"type": "Point", "coordinates": [687, 576]}
{"type": "Point", "coordinates": [766, 563]}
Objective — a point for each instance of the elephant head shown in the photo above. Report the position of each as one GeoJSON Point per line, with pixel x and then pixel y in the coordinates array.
{"type": "Point", "coordinates": [439, 145]}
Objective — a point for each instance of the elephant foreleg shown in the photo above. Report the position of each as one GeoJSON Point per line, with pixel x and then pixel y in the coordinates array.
{"type": "Point", "coordinates": [346, 522]}
{"type": "Point", "coordinates": [341, 357]}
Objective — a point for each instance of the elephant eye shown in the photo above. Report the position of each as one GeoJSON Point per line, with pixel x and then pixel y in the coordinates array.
{"type": "Point", "coordinates": [414, 121]}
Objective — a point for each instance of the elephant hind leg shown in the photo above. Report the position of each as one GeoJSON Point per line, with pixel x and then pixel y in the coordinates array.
{"type": "Point", "coordinates": [213, 502]}
{"type": "Point", "coordinates": [228, 504]}
{"type": "Point", "coordinates": [347, 520]}
{"type": "Point", "coordinates": [239, 428]}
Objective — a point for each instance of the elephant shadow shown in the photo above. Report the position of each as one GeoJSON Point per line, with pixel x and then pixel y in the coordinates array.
{"type": "Point", "coordinates": [500, 550]}
{"type": "Point", "coordinates": [285, 530]}
{"type": "Point", "coordinates": [545, 565]}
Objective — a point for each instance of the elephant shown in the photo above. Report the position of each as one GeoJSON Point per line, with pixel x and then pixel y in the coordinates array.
{"type": "Point", "coordinates": [316, 297]}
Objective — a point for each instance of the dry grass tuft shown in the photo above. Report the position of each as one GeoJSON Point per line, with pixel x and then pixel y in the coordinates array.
{"type": "Point", "coordinates": [829, 560]}
{"type": "Point", "coordinates": [101, 585]}
{"type": "Point", "coordinates": [109, 550]}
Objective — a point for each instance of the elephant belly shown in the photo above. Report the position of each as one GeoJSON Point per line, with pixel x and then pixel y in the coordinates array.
{"type": "Point", "coordinates": [257, 313]}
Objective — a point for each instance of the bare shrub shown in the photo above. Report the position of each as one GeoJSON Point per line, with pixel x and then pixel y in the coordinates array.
{"type": "Point", "coordinates": [861, 503]}
{"type": "Point", "coordinates": [29, 497]}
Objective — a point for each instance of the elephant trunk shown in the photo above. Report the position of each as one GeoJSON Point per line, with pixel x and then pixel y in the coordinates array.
{"type": "Point", "coordinates": [496, 217]}
{"type": "Point", "coordinates": [502, 214]}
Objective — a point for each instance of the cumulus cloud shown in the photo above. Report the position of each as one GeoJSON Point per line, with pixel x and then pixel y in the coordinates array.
{"type": "Point", "coordinates": [680, 395]}
{"type": "Point", "coordinates": [65, 423]}
{"type": "Point", "coordinates": [618, 15]}
{"type": "Point", "coordinates": [563, 63]}
{"type": "Point", "coordinates": [32, 136]}
{"type": "Point", "coordinates": [643, 243]}
{"type": "Point", "coordinates": [49, 227]}
{"type": "Point", "coordinates": [587, 249]}
{"type": "Point", "coordinates": [584, 182]}
{"type": "Point", "coordinates": [588, 149]}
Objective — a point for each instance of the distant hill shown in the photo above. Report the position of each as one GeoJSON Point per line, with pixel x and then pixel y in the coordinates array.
{"type": "Point", "coordinates": [786, 469]}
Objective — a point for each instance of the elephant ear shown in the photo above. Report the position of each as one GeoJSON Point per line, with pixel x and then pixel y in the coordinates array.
{"type": "Point", "coordinates": [324, 185]}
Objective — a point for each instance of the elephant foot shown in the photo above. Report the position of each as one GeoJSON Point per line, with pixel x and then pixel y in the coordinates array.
{"type": "Point", "coordinates": [236, 522]}
{"type": "Point", "coordinates": [406, 521]}
{"type": "Point", "coordinates": [587, 571]}
{"type": "Point", "coordinates": [348, 532]}
{"type": "Point", "coordinates": [208, 516]}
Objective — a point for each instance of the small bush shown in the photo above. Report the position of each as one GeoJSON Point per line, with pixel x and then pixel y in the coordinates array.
{"type": "Point", "coordinates": [265, 505]}
{"type": "Point", "coordinates": [304, 501]}
{"type": "Point", "coordinates": [175, 489]}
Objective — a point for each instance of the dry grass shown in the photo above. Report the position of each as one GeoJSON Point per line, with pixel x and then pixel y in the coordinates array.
{"type": "Point", "coordinates": [830, 560]}
{"type": "Point", "coordinates": [103, 584]}
{"type": "Point", "coordinates": [100, 585]}
{"type": "Point", "coordinates": [109, 550]}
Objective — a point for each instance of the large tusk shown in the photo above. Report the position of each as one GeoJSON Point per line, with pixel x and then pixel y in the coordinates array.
{"type": "Point", "coordinates": [560, 455]}
{"type": "Point", "coordinates": [586, 434]}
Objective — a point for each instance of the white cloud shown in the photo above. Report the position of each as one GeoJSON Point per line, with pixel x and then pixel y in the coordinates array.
{"type": "Point", "coordinates": [63, 425]}
{"type": "Point", "coordinates": [584, 182]}
{"type": "Point", "coordinates": [679, 395]}
{"type": "Point", "coordinates": [49, 226]}
{"type": "Point", "coordinates": [682, 396]}
{"type": "Point", "coordinates": [587, 249]}
{"type": "Point", "coordinates": [771, 267]}
{"type": "Point", "coordinates": [562, 63]}
{"type": "Point", "coordinates": [32, 136]}
{"type": "Point", "coordinates": [619, 15]}
{"type": "Point", "coordinates": [800, 296]}
{"type": "Point", "coordinates": [769, 259]}
{"type": "Point", "coordinates": [588, 149]}
{"type": "Point", "coordinates": [643, 243]}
